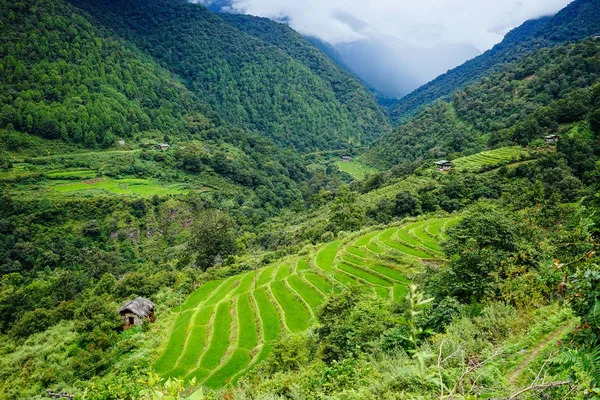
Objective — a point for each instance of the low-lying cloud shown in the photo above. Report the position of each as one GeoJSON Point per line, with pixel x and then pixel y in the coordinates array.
{"type": "Point", "coordinates": [481, 23]}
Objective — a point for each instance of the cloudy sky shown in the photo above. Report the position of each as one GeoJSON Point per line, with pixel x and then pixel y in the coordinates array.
{"type": "Point", "coordinates": [480, 23]}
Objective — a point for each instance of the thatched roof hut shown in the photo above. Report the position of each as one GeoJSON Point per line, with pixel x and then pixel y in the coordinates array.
{"type": "Point", "coordinates": [134, 311]}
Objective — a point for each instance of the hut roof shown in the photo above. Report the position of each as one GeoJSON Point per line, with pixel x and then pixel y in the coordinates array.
{"type": "Point", "coordinates": [140, 306]}
{"type": "Point", "coordinates": [442, 162]}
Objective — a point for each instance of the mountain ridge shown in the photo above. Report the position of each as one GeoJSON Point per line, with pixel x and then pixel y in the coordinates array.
{"type": "Point", "coordinates": [578, 20]}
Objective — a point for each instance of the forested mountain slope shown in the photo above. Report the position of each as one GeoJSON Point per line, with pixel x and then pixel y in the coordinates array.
{"type": "Point", "coordinates": [63, 78]}
{"type": "Point", "coordinates": [250, 82]}
{"type": "Point", "coordinates": [65, 81]}
{"type": "Point", "coordinates": [526, 100]}
{"type": "Point", "coordinates": [347, 88]}
{"type": "Point", "coordinates": [579, 20]}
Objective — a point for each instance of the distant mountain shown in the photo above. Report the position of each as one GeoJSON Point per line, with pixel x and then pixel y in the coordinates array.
{"type": "Point", "coordinates": [578, 20]}
{"type": "Point", "coordinates": [543, 93]}
{"type": "Point", "coordinates": [249, 81]}
{"type": "Point", "coordinates": [347, 88]}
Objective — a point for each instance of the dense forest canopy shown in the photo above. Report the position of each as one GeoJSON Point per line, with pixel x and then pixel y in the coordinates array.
{"type": "Point", "coordinates": [249, 81]}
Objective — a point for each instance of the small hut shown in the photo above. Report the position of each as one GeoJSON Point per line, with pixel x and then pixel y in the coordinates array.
{"type": "Point", "coordinates": [135, 311]}
{"type": "Point", "coordinates": [444, 165]}
{"type": "Point", "coordinates": [346, 158]}
{"type": "Point", "coordinates": [163, 146]}
{"type": "Point", "coordinates": [551, 139]}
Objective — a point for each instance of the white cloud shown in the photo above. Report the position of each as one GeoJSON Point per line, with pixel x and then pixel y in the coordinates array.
{"type": "Point", "coordinates": [481, 23]}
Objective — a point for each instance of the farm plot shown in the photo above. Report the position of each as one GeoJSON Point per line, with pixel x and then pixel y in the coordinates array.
{"type": "Point", "coordinates": [132, 187]}
{"type": "Point", "coordinates": [228, 326]}
{"type": "Point", "coordinates": [491, 159]}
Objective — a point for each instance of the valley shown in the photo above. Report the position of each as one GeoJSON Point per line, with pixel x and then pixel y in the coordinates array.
{"type": "Point", "coordinates": [205, 206]}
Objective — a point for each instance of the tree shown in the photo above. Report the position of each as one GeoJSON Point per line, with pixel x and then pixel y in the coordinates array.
{"type": "Point", "coordinates": [527, 131]}
{"type": "Point", "coordinates": [213, 238]}
{"type": "Point", "coordinates": [595, 121]}
{"type": "Point", "coordinates": [406, 205]}
{"type": "Point", "coordinates": [484, 247]}
{"type": "Point", "coordinates": [346, 215]}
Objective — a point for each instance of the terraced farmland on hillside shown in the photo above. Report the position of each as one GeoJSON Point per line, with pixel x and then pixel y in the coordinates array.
{"type": "Point", "coordinates": [491, 159]}
{"type": "Point", "coordinates": [228, 326]}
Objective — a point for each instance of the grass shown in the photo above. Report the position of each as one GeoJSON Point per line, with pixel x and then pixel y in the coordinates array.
{"type": "Point", "coordinates": [319, 282]}
{"type": "Point", "coordinates": [389, 272]}
{"type": "Point", "coordinates": [79, 173]}
{"type": "Point", "coordinates": [283, 272]}
{"type": "Point", "coordinates": [295, 313]}
{"type": "Point", "coordinates": [405, 235]}
{"type": "Point", "coordinates": [265, 276]}
{"type": "Point", "coordinates": [364, 240]}
{"type": "Point", "coordinates": [326, 256]}
{"type": "Point", "coordinates": [310, 295]}
{"type": "Point", "coordinates": [435, 229]}
{"type": "Point", "coordinates": [356, 251]}
{"type": "Point", "coordinates": [426, 239]}
{"type": "Point", "coordinates": [268, 315]}
{"type": "Point", "coordinates": [245, 284]}
{"type": "Point", "coordinates": [176, 341]}
{"type": "Point", "coordinates": [374, 248]}
{"type": "Point", "coordinates": [196, 340]}
{"type": "Point", "coordinates": [201, 294]}
{"type": "Point", "coordinates": [382, 292]}
{"type": "Point", "coordinates": [491, 159]}
{"type": "Point", "coordinates": [239, 360]}
{"type": "Point", "coordinates": [200, 344]}
{"type": "Point", "coordinates": [220, 338]}
{"type": "Point", "coordinates": [356, 169]}
{"type": "Point", "coordinates": [132, 186]}
{"type": "Point", "coordinates": [301, 265]}
{"type": "Point", "coordinates": [223, 291]}
{"type": "Point", "coordinates": [400, 292]}
{"type": "Point", "coordinates": [246, 323]}
{"type": "Point", "coordinates": [375, 280]}
{"type": "Point", "coordinates": [406, 249]}
{"type": "Point", "coordinates": [345, 278]}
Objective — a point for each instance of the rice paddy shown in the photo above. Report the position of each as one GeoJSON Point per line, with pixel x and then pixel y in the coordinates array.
{"type": "Point", "coordinates": [228, 326]}
{"type": "Point", "coordinates": [487, 160]}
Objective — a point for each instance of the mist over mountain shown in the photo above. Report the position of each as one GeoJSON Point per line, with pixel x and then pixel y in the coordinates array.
{"type": "Point", "coordinates": [387, 64]}
{"type": "Point", "coordinates": [392, 66]}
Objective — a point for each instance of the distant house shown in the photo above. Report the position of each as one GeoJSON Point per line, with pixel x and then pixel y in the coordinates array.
{"type": "Point", "coordinates": [346, 158]}
{"type": "Point", "coordinates": [444, 165]}
{"type": "Point", "coordinates": [551, 139]}
{"type": "Point", "coordinates": [135, 311]}
{"type": "Point", "coordinates": [121, 142]}
{"type": "Point", "coordinates": [163, 146]}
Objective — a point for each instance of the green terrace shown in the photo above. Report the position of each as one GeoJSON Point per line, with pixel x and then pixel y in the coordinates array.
{"type": "Point", "coordinates": [491, 159]}
{"type": "Point", "coordinates": [227, 326]}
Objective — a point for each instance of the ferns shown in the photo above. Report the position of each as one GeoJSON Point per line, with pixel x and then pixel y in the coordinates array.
{"type": "Point", "coordinates": [594, 315]}
{"type": "Point", "coordinates": [583, 363]}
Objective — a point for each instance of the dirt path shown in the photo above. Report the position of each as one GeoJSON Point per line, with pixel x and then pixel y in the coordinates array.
{"type": "Point", "coordinates": [536, 351]}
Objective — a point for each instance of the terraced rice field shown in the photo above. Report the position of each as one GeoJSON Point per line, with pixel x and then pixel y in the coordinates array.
{"type": "Point", "coordinates": [228, 326]}
{"type": "Point", "coordinates": [490, 159]}
{"type": "Point", "coordinates": [132, 186]}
